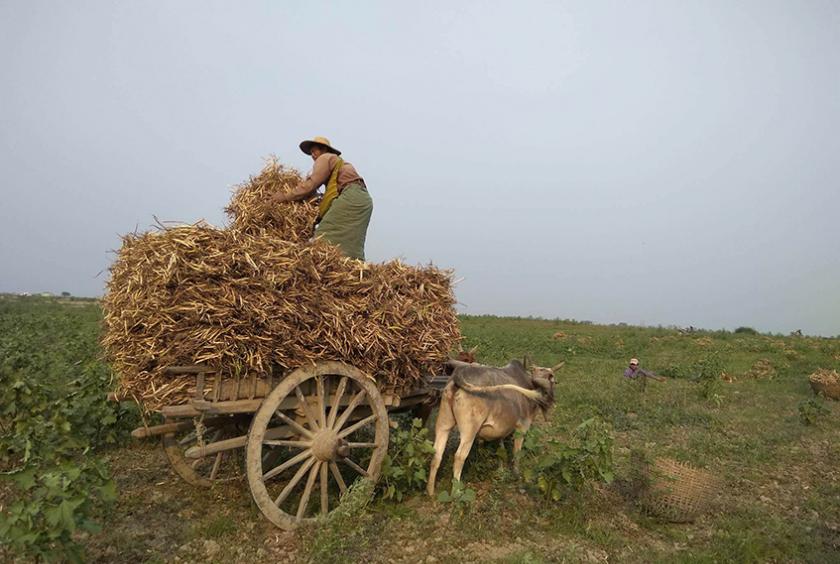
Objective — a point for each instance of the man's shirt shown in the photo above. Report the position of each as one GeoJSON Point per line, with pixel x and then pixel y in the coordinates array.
{"type": "Point", "coordinates": [322, 169]}
{"type": "Point", "coordinates": [634, 373]}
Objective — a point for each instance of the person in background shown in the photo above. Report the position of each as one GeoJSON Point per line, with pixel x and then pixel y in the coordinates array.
{"type": "Point", "coordinates": [633, 371]}
{"type": "Point", "coordinates": [345, 209]}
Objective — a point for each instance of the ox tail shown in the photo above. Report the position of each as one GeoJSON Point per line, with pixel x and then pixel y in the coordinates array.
{"type": "Point", "coordinates": [459, 381]}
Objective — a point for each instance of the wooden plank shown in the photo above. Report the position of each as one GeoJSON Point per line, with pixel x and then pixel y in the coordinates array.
{"type": "Point", "coordinates": [144, 432]}
{"type": "Point", "coordinates": [191, 369]}
{"type": "Point", "coordinates": [174, 427]}
{"type": "Point", "coordinates": [282, 432]}
{"type": "Point", "coordinates": [197, 407]}
{"type": "Point", "coordinates": [176, 411]}
{"type": "Point", "coordinates": [218, 407]}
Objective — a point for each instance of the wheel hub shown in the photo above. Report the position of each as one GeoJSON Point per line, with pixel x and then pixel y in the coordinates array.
{"type": "Point", "coordinates": [327, 446]}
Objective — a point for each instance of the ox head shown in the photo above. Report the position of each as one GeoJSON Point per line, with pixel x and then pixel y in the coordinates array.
{"type": "Point", "coordinates": [466, 356]}
{"type": "Point", "coordinates": [543, 379]}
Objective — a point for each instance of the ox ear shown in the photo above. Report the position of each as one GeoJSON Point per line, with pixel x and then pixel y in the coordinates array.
{"type": "Point", "coordinates": [557, 367]}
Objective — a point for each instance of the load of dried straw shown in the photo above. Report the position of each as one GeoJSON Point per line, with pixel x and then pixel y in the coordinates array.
{"type": "Point", "coordinates": [826, 382]}
{"type": "Point", "coordinates": [251, 210]}
{"type": "Point", "coordinates": [248, 300]}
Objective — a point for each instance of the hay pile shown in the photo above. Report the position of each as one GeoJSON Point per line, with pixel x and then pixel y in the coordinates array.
{"type": "Point", "coordinates": [761, 369]}
{"type": "Point", "coordinates": [826, 382]}
{"type": "Point", "coordinates": [251, 211]}
{"type": "Point", "coordinates": [256, 297]}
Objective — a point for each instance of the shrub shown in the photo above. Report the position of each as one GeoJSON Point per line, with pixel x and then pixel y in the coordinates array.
{"type": "Point", "coordinates": [404, 469]}
{"type": "Point", "coordinates": [458, 494]}
{"type": "Point", "coordinates": [558, 468]}
{"type": "Point", "coordinates": [460, 499]}
{"type": "Point", "coordinates": [707, 373]}
{"type": "Point", "coordinates": [53, 414]}
{"type": "Point", "coordinates": [746, 330]}
{"type": "Point", "coordinates": [811, 412]}
{"type": "Point", "coordinates": [674, 371]}
{"type": "Point", "coordinates": [344, 533]}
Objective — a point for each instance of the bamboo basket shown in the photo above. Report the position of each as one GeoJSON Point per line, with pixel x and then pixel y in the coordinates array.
{"type": "Point", "coordinates": [678, 492]}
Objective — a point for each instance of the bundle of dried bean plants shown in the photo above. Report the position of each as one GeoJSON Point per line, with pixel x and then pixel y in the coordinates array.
{"type": "Point", "coordinates": [259, 297]}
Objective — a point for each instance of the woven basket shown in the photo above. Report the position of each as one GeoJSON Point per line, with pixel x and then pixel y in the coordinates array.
{"type": "Point", "coordinates": [826, 382]}
{"type": "Point", "coordinates": [678, 492]}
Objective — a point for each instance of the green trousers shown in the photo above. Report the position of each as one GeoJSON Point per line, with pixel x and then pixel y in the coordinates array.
{"type": "Point", "coordinates": [346, 222]}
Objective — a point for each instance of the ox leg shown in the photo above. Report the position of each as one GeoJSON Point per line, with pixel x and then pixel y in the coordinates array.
{"type": "Point", "coordinates": [468, 430]}
{"type": "Point", "coordinates": [521, 429]}
{"type": "Point", "coordinates": [445, 423]}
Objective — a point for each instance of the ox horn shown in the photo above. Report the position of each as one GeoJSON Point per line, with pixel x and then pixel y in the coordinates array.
{"type": "Point", "coordinates": [557, 367]}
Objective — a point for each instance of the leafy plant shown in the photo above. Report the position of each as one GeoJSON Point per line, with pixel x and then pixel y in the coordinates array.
{"type": "Point", "coordinates": [405, 467]}
{"type": "Point", "coordinates": [708, 371]}
{"type": "Point", "coordinates": [673, 371]}
{"type": "Point", "coordinates": [458, 494]}
{"type": "Point", "coordinates": [344, 533]}
{"type": "Point", "coordinates": [460, 499]}
{"type": "Point", "coordinates": [53, 504]}
{"type": "Point", "coordinates": [53, 414]}
{"type": "Point", "coordinates": [811, 411]}
{"type": "Point", "coordinates": [557, 468]}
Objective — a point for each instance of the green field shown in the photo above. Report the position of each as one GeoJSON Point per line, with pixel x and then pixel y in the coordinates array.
{"type": "Point", "coordinates": [77, 485]}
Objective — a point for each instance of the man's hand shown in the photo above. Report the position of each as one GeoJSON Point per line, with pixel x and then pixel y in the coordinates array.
{"type": "Point", "coordinates": [280, 197]}
{"type": "Point", "coordinates": [299, 192]}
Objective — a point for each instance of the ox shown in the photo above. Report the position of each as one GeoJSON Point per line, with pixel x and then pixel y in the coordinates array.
{"type": "Point", "coordinates": [489, 403]}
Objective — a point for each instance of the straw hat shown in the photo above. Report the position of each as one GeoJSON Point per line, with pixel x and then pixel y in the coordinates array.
{"type": "Point", "coordinates": [306, 146]}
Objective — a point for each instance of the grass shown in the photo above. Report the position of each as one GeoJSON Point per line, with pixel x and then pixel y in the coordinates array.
{"type": "Point", "coordinates": [779, 497]}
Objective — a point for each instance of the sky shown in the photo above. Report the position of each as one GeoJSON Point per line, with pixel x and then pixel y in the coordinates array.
{"type": "Point", "coordinates": [652, 162]}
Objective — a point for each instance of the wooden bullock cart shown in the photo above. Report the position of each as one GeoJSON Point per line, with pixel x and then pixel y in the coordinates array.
{"type": "Point", "coordinates": [305, 435]}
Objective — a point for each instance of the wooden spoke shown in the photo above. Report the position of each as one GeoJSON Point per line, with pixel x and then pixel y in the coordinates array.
{"type": "Point", "coordinates": [355, 467]}
{"type": "Point", "coordinates": [358, 425]}
{"type": "Point", "coordinates": [354, 403]}
{"type": "Point", "coordinates": [288, 464]}
{"type": "Point", "coordinates": [339, 394]}
{"type": "Point", "coordinates": [325, 503]}
{"type": "Point", "coordinates": [293, 482]}
{"type": "Point", "coordinates": [186, 440]}
{"type": "Point", "coordinates": [319, 397]}
{"type": "Point", "coordinates": [324, 400]}
{"type": "Point", "coordinates": [342, 487]}
{"type": "Point", "coordinates": [216, 464]}
{"type": "Point", "coordinates": [295, 425]}
{"type": "Point", "coordinates": [362, 445]}
{"type": "Point", "coordinates": [298, 444]}
{"type": "Point", "coordinates": [307, 490]}
{"type": "Point", "coordinates": [313, 423]}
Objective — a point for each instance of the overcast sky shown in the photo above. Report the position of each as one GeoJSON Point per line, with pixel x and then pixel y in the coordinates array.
{"type": "Point", "coordinates": [646, 162]}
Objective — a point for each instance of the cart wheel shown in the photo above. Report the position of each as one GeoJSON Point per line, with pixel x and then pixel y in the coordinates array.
{"type": "Point", "coordinates": [330, 432]}
{"type": "Point", "coordinates": [204, 472]}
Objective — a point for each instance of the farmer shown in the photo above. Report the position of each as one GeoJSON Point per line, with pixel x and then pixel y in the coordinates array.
{"type": "Point", "coordinates": [345, 208]}
{"type": "Point", "coordinates": [633, 371]}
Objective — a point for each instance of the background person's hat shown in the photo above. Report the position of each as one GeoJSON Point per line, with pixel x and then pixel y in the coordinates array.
{"type": "Point", "coordinates": [634, 361]}
{"type": "Point", "coordinates": [306, 146]}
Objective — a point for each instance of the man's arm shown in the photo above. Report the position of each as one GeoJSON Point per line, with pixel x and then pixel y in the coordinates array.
{"type": "Point", "coordinates": [320, 174]}
{"type": "Point", "coordinates": [647, 374]}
